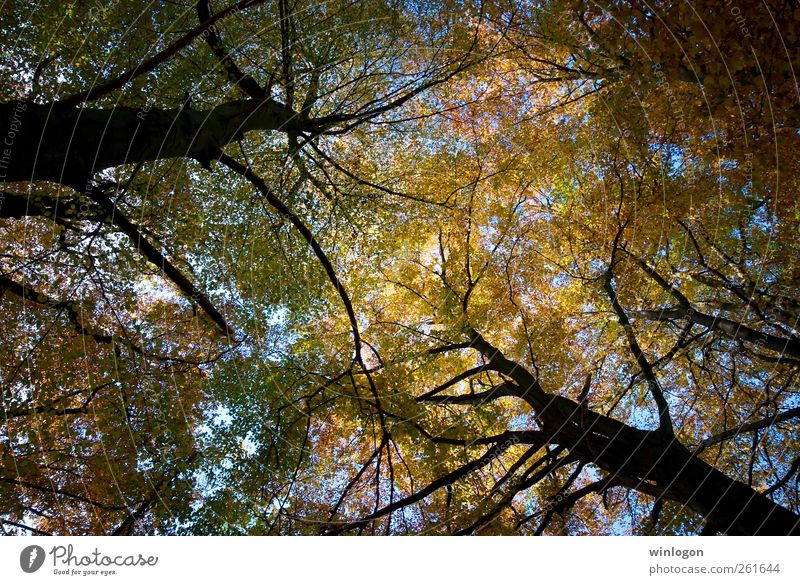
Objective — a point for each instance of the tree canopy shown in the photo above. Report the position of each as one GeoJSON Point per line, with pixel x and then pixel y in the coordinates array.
{"type": "Point", "coordinates": [400, 267]}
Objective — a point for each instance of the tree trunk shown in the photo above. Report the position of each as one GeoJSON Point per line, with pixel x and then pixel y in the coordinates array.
{"type": "Point", "coordinates": [651, 461]}
{"type": "Point", "coordinates": [69, 145]}
{"type": "Point", "coordinates": [728, 505]}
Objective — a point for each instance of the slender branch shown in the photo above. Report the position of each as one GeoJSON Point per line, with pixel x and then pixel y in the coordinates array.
{"type": "Point", "coordinates": [101, 89]}
{"type": "Point", "coordinates": [506, 389]}
{"type": "Point", "coordinates": [245, 82]}
{"type": "Point", "coordinates": [25, 527]}
{"type": "Point", "coordinates": [452, 382]}
{"type": "Point", "coordinates": [572, 498]}
{"type": "Point", "coordinates": [70, 308]}
{"type": "Point", "coordinates": [793, 468]}
{"type": "Point", "coordinates": [665, 421]}
{"type": "Point", "coordinates": [447, 479]}
{"type": "Point", "coordinates": [127, 525]}
{"type": "Point", "coordinates": [59, 491]}
{"type": "Point", "coordinates": [149, 251]}
{"type": "Point", "coordinates": [749, 427]}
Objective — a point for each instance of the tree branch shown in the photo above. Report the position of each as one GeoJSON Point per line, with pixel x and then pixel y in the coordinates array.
{"type": "Point", "coordinates": [100, 89]}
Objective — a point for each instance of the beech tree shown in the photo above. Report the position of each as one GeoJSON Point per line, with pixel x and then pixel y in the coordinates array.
{"type": "Point", "coordinates": [382, 267]}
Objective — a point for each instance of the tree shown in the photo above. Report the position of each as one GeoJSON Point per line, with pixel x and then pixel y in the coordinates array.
{"type": "Point", "coordinates": [378, 267]}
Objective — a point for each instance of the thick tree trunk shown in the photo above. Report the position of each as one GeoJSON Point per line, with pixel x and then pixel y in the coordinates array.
{"type": "Point", "coordinates": [652, 461]}
{"type": "Point", "coordinates": [667, 467]}
{"type": "Point", "coordinates": [69, 145]}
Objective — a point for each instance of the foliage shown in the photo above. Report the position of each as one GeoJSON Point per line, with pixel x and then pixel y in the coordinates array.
{"type": "Point", "coordinates": [422, 268]}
